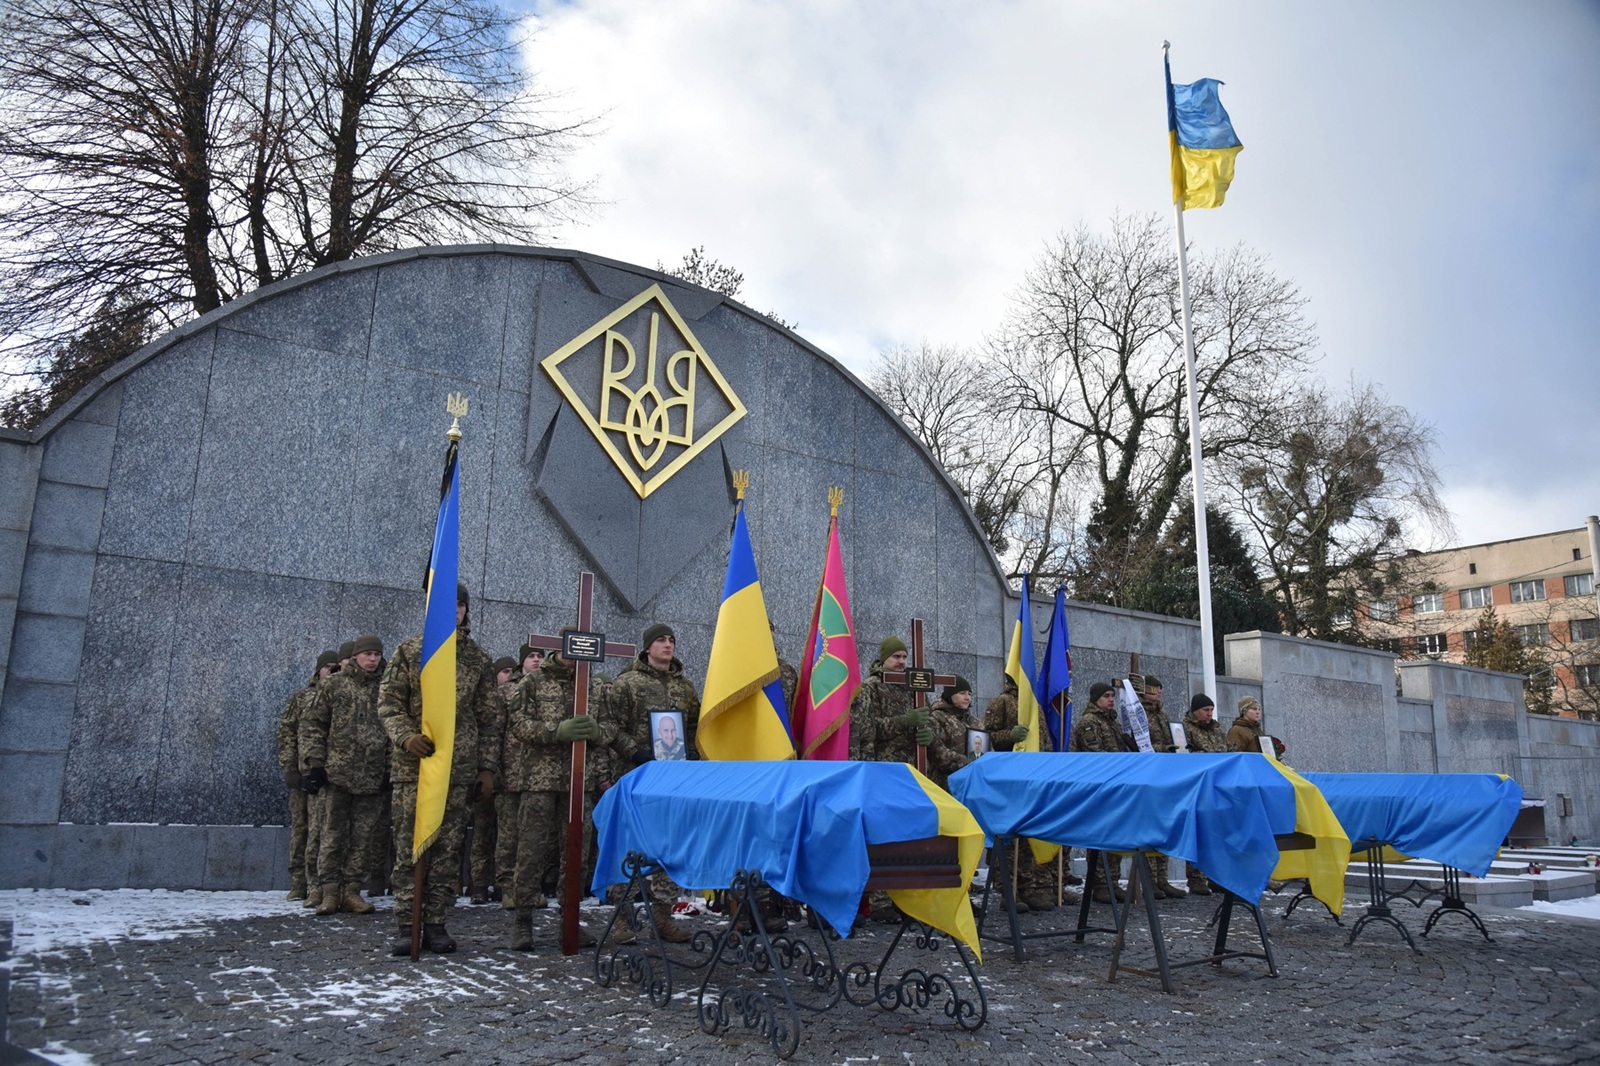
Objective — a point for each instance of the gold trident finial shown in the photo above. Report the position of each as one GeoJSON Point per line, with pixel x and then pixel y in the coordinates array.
{"type": "Point", "coordinates": [835, 498]}
{"type": "Point", "coordinates": [741, 481]}
{"type": "Point", "coordinates": [456, 407]}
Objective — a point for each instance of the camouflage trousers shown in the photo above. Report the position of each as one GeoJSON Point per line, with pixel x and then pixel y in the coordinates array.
{"type": "Point", "coordinates": [1032, 878]}
{"type": "Point", "coordinates": [297, 833]}
{"type": "Point", "coordinates": [542, 845]}
{"type": "Point", "coordinates": [485, 830]}
{"type": "Point", "coordinates": [351, 838]}
{"type": "Point", "coordinates": [441, 882]}
{"type": "Point", "coordinates": [505, 842]}
{"type": "Point", "coordinates": [315, 806]}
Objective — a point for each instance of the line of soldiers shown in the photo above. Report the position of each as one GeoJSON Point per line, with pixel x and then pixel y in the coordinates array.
{"type": "Point", "coordinates": [351, 741]}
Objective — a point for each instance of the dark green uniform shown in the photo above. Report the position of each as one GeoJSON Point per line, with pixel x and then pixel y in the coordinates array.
{"type": "Point", "coordinates": [302, 867]}
{"type": "Point", "coordinates": [341, 734]}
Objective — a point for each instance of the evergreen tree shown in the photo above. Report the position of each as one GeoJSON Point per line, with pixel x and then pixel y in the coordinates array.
{"type": "Point", "coordinates": [1496, 646]}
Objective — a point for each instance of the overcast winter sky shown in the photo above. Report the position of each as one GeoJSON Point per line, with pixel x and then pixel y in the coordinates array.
{"type": "Point", "coordinates": [884, 171]}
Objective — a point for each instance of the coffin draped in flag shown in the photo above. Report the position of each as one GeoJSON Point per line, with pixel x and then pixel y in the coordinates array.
{"type": "Point", "coordinates": [831, 671]}
{"type": "Point", "coordinates": [743, 715]}
{"type": "Point", "coordinates": [1055, 676]}
{"type": "Point", "coordinates": [1202, 142]}
{"type": "Point", "coordinates": [439, 661]}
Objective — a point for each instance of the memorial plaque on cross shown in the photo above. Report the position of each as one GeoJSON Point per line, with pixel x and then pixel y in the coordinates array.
{"type": "Point", "coordinates": [921, 680]}
{"type": "Point", "coordinates": [581, 647]}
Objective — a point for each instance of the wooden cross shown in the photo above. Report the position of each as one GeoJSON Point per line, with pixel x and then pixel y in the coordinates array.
{"type": "Point", "coordinates": [580, 647]}
{"type": "Point", "coordinates": [921, 681]}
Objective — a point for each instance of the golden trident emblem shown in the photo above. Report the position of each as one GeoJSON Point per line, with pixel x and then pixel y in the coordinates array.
{"type": "Point", "coordinates": [455, 405]}
{"type": "Point", "coordinates": [648, 427]}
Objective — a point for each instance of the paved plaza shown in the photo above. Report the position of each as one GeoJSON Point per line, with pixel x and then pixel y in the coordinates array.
{"type": "Point", "coordinates": [291, 988]}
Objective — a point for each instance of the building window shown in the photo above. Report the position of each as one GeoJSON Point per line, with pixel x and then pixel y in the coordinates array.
{"type": "Point", "coordinates": [1579, 584]}
{"type": "Point", "coordinates": [1469, 640]}
{"type": "Point", "coordinates": [1527, 591]}
{"type": "Point", "coordinates": [1588, 674]}
{"type": "Point", "coordinates": [1428, 603]}
{"type": "Point", "coordinates": [1586, 629]}
{"type": "Point", "coordinates": [1476, 599]}
{"type": "Point", "coordinates": [1472, 568]}
{"type": "Point", "coordinates": [1382, 610]}
{"type": "Point", "coordinates": [1432, 644]}
{"type": "Point", "coordinates": [1536, 635]}
{"type": "Point", "coordinates": [1391, 644]}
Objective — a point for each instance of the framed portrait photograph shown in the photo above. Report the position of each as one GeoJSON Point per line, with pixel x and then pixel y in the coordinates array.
{"type": "Point", "coordinates": [977, 742]}
{"type": "Point", "coordinates": [666, 735]}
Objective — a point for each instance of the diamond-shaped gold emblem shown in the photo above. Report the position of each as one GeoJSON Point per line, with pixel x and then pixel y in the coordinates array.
{"type": "Point", "coordinates": [644, 410]}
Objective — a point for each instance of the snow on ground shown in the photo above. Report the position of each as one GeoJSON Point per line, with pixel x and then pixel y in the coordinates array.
{"type": "Point", "coordinates": [49, 919]}
{"type": "Point", "coordinates": [1585, 907]}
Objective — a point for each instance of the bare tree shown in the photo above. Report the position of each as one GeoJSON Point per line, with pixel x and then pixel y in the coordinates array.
{"type": "Point", "coordinates": [1333, 488]}
{"type": "Point", "coordinates": [1093, 346]}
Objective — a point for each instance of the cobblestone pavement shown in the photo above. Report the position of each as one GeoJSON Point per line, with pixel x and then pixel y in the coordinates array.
{"type": "Point", "coordinates": [295, 988]}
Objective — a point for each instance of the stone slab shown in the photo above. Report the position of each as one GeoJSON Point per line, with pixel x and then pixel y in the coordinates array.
{"type": "Point", "coordinates": [27, 851]}
{"type": "Point", "coordinates": [167, 856]}
{"type": "Point", "coordinates": [92, 856]}
{"type": "Point", "coordinates": [79, 453]}
{"type": "Point", "coordinates": [445, 316]}
{"type": "Point", "coordinates": [105, 408]}
{"type": "Point", "coordinates": [19, 477]}
{"type": "Point", "coordinates": [332, 315]}
{"type": "Point", "coordinates": [67, 516]}
{"type": "Point", "coordinates": [241, 857]}
{"type": "Point", "coordinates": [57, 582]}
{"type": "Point", "coordinates": [36, 716]}
{"type": "Point", "coordinates": [46, 648]}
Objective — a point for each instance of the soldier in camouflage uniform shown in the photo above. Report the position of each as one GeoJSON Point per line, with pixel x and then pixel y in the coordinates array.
{"type": "Point", "coordinates": [543, 725]}
{"type": "Point", "coordinates": [344, 754]}
{"type": "Point", "coordinates": [655, 681]}
{"type": "Point", "coordinates": [884, 725]}
{"type": "Point", "coordinates": [289, 763]}
{"type": "Point", "coordinates": [951, 717]}
{"type": "Point", "coordinates": [1035, 888]}
{"type": "Point", "coordinates": [475, 759]}
{"type": "Point", "coordinates": [482, 871]}
{"type": "Point", "coordinates": [1204, 735]}
{"type": "Point", "coordinates": [508, 794]}
{"type": "Point", "coordinates": [1148, 688]}
{"type": "Point", "coordinates": [1097, 729]}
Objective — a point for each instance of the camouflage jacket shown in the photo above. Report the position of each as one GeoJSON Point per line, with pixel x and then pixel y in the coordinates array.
{"type": "Point", "coordinates": [289, 726]}
{"type": "Point", "coordinates": [878, 732]}
{"type": "Point", "coordinates": [1204, 736]}
{"type": "Point", "coordinates": [948, 752]}
{"type": "Point", "coordinates": [510, 749]}
{"type": "Point", "coordinates": [1097, 729]}
{"type": "Point", "coordinates": [478, 710]}
{"type": "Point", "coordinates": [541, 702]}
{"type": "Point", "coordinates": [1160, 730]}
{"type": "Point", "coordinates": [1244, 735]}
{"type": "Point", "coordinates": [1000, 717]}
{"type": "Point", "coordinates": [790, 678]}
{"type": "Point", "coordinates": [640, 689]}
{"type": "Point", "coordinates": [340, 731]}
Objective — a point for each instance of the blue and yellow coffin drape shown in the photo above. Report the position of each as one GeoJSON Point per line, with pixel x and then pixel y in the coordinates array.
{"type": "Point", "coordinates": [805, 825]}
{"type": "Point", "coordinates": [1220, 812]}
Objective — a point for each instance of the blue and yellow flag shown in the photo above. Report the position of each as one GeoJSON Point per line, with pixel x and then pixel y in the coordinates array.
{"type": "Point", "coordinates": [439, 662]}
{"type": "Point", "coordinates": [1202, 140]}
{"type": "Point", "coordinates": [743, 714]}
{"type": "Point", "coordinates": [1055, 676]}
{"type": "Point", "coordinates": [1021, 670]}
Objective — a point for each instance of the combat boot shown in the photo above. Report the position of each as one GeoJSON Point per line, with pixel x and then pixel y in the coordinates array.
{"type": "Point", "coordinates": [436, 939]}
{"type": "Point", "coordinates": [522, 929]}
{"type": "Point", "coordinates": [297, 887]}
{"type": "Point", "coordinates": [666, 925]}
{"type": "Point", "coordinates": [1102, 896]}
{"type": "Point", "coordinates": [402, 941]}
{"type": "Point", "coordinates": [1038, 901]}
{"type": "Point", "coordinates": [1169, 890]}
{"type": "Point", "coordinates": [331, 898]}
{"type": "Point", "coordinates": [353, 902]}
{"type": "Point", "coordinates": [1199, 885]}
{"type": "Point", "coordinates": [313, 896]}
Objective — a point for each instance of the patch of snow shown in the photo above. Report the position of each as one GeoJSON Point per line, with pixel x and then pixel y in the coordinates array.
{"type": "Point", "coordinates": [57, 1052]}
{"type": "Point", "coordinates": [1583, 907]}
{"type": "Point", "coordinates": [49, 919]}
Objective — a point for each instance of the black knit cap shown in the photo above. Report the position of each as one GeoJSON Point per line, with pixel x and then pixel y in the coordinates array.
{"type": "Point", "coordinates": [347, 649]}
{"type": "Point", "coordinates": [1199, 700]}
{"type": "Point", "coordinates": [655, 633]}
{"type": "Point", "coordinates": [961, 685]}
{"type": "Point", "coordinates": [461, 594]}
{"type": "Point", "coordinates": [527, 650]}
{"type": "Point", "coordinates": [505, 662]}
{"type": "Point", "coordinates": [366, 642]}
{"type": "Point", "coordinates": [1098, 689]}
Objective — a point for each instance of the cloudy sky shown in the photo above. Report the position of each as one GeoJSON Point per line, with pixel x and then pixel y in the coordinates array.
{"type": "Point", "coordinates": [884, 171]}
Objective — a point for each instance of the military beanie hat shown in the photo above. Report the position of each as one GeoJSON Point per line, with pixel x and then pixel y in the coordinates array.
{"type": "Point", "coordinates": [347, 649]}
{"type": "Point", "coordinates": [366, 642]}
{"type": "Point", "coordinates": [505, 662]}
{"type": "Point", "coordinates": [961, 685]}
{"type": "Point", "coordinates": [527, 650]}
{"type": "Point", "coordinates": [889, 646]}
{"type": "Point", "coordinates": [1247, 702]}
{"type": "Point", "coordinates": [656, 632]}
{"type": "Point", "coordinates": [1200, 700]}
{"type": "Point", "coordinates": [1098, 689]}
{"type": "Point", "coordinates": [328, 658]}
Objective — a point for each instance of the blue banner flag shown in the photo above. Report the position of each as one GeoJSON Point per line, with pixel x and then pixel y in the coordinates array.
{"type": "Point", "coordinates": [1055, 675]}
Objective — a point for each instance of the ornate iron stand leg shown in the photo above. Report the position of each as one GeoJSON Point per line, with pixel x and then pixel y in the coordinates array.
{"type": "Point", "coordinates": [1378, 896]}
{"type": "Point", "coordinates": [1141, 883]}
{"type": "Point", "coordinates": [916, 988]}
{"type": "Point", "coordinates": [1454, 904]}
{"type": "Point", "coordinates": [777, 1018]}
{"type": "Point", "coordinates": [642, 961]}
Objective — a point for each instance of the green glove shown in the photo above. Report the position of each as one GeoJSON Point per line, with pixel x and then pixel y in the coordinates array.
{"type": "Point", "coordinates": [924, 735]}
{"type": "Point", "coordinates": [575, 729]}
{"type": "Point", "coordinates": [916, 717]}
{"type": "Point", "coordinates": [1019, 733]}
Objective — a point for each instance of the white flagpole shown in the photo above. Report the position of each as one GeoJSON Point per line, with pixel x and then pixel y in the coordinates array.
{"type": "Point", "coordinates": [1208, 659]}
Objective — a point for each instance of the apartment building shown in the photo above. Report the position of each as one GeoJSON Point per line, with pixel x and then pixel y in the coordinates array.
{"type": "Point", "coordinates": [1543, 586]}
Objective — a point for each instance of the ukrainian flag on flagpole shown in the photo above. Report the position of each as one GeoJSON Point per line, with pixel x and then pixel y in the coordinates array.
{"type": "Point", "coordinates": [1202, 140]}
{"type": "Point", "coordinates": [439, 662]}
{"type": "Point", "coordinates": [743, 715]}
{"type": "Point", "coordinates": [1021, 669]}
